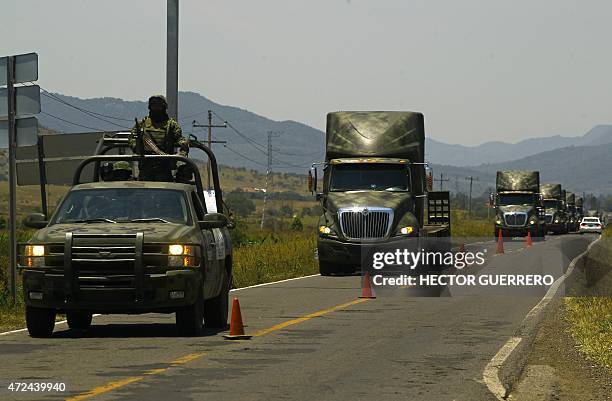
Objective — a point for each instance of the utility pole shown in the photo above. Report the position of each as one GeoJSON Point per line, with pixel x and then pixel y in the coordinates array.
{"type": "Point", "coordinates": [271, 135]}
{"type": "Point", "coordinates": [442, 180]}
{"type": "Point", "coordinates": [12, 142]}
{"type": "Point", "coordinates": [472, 179]}
{"type": "Point", "coordinates": [172, 42]}
{"type": "Point", "coordinates": [210, 126]}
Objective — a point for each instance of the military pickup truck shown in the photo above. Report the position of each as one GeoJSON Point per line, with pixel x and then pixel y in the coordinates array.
{"type": "Point", "coordinates": [374, 188]}
{"type": "Point", "coordinates": [127, 247]}
{"type": "Point", "coordinates": [519, 205]}
{"type": "Point", "coordinates": [556, 218]}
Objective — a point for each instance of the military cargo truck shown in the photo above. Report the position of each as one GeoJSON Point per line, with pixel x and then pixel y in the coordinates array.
{"type": "Point", "coordinates": [518, 204]}
{"type": "Point", "coordinates": [556, 218]}
{"type": "Point", "coordinates": [579, 208]}
{"type": "Point", "coordinates": [127, 246]}
{"type": "Point", "coordinates": [572, 219]}
{"type": "Point", "coordinates": [374, 187]}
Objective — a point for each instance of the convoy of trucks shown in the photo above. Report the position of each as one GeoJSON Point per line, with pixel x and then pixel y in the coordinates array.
{"type": "Point", "coordinates": [116, 244]}
{"type": "Point", "coordinates": [374, 188]}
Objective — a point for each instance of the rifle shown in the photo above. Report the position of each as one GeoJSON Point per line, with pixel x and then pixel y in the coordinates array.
{"type": "Point", "coordinates": [139, 149]}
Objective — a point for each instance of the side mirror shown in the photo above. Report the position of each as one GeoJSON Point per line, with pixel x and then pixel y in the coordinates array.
{"type": "Point", "coordinates": [214, 220]}
{"type": "Point", "coordinates": [35, 220]}
{"type": "Point", "coordinates": [491, 199]}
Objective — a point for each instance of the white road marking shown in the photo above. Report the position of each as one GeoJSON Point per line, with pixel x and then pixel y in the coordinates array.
{"type": "Point", "coordinates": [490, 374]}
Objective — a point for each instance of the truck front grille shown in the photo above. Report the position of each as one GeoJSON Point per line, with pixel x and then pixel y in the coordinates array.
{"type": "Point", "coordinates": [365, 222]}
{"type": "Point", "coordinates": [515, 219]}
{"type": "Point", "coordinates": [549, 218]}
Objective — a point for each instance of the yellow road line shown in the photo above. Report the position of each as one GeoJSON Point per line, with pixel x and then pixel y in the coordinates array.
{"type": "Point", "coordinates": [307, 317]}
{"type": "Point", "coordinates": [108, 387]}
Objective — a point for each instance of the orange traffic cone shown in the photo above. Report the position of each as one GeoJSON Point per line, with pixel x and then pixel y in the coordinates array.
{"type": "Point", "coordinates": [529, 241]}
{"type": "Point", "coordinates": [366, 287]}
{"type": "Point", "coordinates": [500, 242]}
{"type": "Point", "coordinates": [236, 326]}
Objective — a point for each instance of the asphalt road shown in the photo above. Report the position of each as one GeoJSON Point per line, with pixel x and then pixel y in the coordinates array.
{"type": "Point", "coordinates": [314, 339]}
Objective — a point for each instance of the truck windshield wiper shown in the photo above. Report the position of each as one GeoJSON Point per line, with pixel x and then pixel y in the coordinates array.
{"type": "Point", "coordinates": [149, 220]}
{"type": "Point", "coordinates": [96, 220]}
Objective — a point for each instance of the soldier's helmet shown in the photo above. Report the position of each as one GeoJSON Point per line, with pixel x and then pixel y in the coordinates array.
{"type": "Point", "coordinates": [158, 100]}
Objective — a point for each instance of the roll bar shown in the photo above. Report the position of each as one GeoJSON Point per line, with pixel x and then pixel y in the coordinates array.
{"type": "Point", "coordinates": [132, 158]}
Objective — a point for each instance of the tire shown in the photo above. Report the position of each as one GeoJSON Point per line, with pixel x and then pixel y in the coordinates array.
{"type": "Point", "coordinates": [79, 320]}
{"type": "Point", "coordinates": [190, 320]}
{"type": "Point", "coordinates": [216, 309]}
{"type": "Point", "coordinates": [40, 321]}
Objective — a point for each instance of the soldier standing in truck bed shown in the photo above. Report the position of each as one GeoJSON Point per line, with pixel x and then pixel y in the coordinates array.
{"type": "Point", "coordinates": [161, 135]}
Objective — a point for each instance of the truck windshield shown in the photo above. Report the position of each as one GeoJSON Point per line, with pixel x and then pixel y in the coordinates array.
{"type": "Point", "coordinates": [139, 205]}
{"type": "Point", "coordinates": [551, 203]}
{"type": "Point", "coordinates": [515, 199]}
{"type": "Point", "coordinates": [370, 177]}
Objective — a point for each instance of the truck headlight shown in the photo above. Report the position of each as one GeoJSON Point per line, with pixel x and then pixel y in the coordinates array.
{"type": "Point", "coordinates": [181, 256]}
{"type": "Point", "coordinates": [406, 230]}
{"type": "Point", "coordinates": [34, 255]}
{"type": "Point", "coordinates": [498, 221]}
{"type": "Point", "coordinates": [532, 222]}
{"type": "Point", "coordinates": [325, 230]}
{"type": "Point", "coordinates": [556, 220]}
{"type": "Point", "coordinates": [176, 250]}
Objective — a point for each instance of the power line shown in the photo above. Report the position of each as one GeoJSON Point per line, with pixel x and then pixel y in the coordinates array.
{"type": "Point", "coordinates": [73, 123]}
{"type": "Point", "coordinates": [83, 110]}
{"type": "Point", "coordinates": [243, 156]}
{"type": "Point", "coordinates": [253, 143]}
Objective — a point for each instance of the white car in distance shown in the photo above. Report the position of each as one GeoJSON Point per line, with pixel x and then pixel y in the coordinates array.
{"type": "Point", "coordinates": [590, 225]}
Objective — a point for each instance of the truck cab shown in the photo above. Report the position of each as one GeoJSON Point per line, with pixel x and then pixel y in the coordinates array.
{"type": "Point", "coordinates": [518, 203]}
{"type": "Point", "coordinates": [129, 246]}
{"type": "Point", "coordinates": [555, 208]}
{"type": "Point", "coordinates": [373, 193]}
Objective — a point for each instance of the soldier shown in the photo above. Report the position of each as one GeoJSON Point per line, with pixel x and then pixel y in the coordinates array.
{"type": "Point", "coordinates": [166, 136]}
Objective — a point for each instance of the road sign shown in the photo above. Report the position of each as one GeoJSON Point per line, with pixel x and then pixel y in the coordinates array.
{"type": "Point", "coordinates": [15, 102]}
{"type": "Point", "coordinates": [62, 154]}
{"type": "Point", "coordinates": [26, 68]}
{"type": "Point", "coordinates": [27, 100]}
{"type": "Point", "coordinates": [26, 131]}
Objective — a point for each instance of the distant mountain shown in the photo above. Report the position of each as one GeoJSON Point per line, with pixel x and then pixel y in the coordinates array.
{"type": "Point", "coordinates": [577, 168]}
{"type": "Point", "coordinates": [496, 151]}
{"type": "Point", "coordinates": [295, 145]}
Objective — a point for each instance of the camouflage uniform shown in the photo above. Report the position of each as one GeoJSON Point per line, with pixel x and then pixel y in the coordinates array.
{"type": "Point", "coordinates": [167, 135]}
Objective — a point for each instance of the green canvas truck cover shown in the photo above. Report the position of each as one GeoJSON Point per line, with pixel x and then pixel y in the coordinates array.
{"type": "Point", "coordinates": [528, 181]}
{"type": "Point", "coordinates": [393, 134]}
{"type": "Point", "coordinates": [570, 198]}
{"type": "Point", "coordinates": [551, 191]}
{"type": "Point", "coordinates": [579, 202]}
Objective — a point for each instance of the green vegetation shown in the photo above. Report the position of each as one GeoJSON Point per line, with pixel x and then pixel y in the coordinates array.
{"type": "Point", "coordinates": [590, 314]}
{"type": "Point", "coordinates": [463, 226]}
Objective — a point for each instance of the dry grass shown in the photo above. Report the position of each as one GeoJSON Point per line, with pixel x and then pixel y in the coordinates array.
{"type": "Point", "coordinates": [590, 316]}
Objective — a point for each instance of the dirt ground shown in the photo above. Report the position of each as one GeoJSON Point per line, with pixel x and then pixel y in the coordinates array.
{"type": "Point", "coordinates": [578, 378]}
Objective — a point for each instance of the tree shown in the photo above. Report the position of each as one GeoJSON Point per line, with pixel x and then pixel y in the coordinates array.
{"type": "Point", "coordinates": [286, 211]}
{"type": "Point", "coordinates": [296, 224]}
{"type": "Point", "coordinates": [238, 202]}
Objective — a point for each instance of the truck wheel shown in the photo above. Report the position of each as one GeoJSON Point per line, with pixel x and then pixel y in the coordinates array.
{"type": "Point", "coordinates": [215, 309]}
{"type": "Point", "coordinates": [189, 321]}
{"type": "Point", "coordinates": [40, 321]}
{"type": "Point", "coordinates": [78, 320]}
